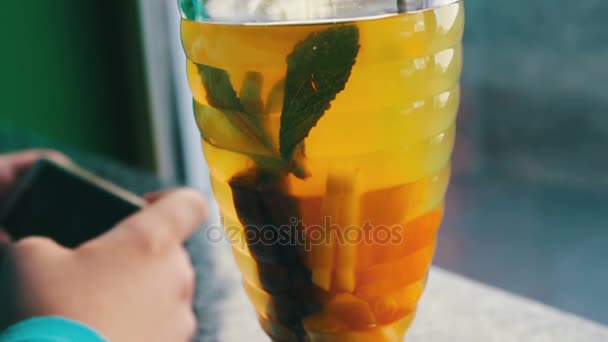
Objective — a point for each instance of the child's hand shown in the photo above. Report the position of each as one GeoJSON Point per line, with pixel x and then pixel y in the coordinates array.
{"type": "Point", "coordinates": [134, 283]}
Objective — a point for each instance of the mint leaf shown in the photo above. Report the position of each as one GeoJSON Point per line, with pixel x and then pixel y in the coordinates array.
{"type": "Point", "coordinates": [220, 93]}
{"type": "Point", "coordinates": [217, 128]}
{"type": "Point", "coordinates": [274, 103]}
{"type": "Point", "coordinates": [222, 96]}
{"type": "Point", "coordinates": [317, 70]}
{"type": "Point", "coordinates": [251, 93]}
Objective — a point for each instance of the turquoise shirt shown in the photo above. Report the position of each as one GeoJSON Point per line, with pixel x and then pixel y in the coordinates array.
{"type": "Point", "coordinates": [50, 329]}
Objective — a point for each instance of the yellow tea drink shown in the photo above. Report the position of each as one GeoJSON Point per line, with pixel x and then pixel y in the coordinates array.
{"type": "Point", "coordinates": [329, 148]}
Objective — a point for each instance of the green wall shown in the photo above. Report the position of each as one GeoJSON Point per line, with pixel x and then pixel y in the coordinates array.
{"type": "Point", "coordinates": [70, 72]}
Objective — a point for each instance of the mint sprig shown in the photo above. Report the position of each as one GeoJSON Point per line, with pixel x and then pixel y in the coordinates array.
{"type": "Point", "coordinates": [251, 93]}
{"type": "Point", "coordinates": [317, 70]}
{"type": "Point", "coordinates": [222, 96]}
{"type": "Point", "coordinates": [276, 97]}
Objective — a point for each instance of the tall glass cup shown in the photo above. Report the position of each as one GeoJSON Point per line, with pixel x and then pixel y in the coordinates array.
{"type": "Point", "coordinates": [328, 127]}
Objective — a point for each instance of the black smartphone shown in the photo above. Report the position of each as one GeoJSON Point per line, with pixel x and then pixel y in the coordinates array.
{"type": "Point", "coordinates": [66, 204]}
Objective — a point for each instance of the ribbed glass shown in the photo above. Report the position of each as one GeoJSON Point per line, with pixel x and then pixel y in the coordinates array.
{"type": "Point", "coordinates": [370, 176]}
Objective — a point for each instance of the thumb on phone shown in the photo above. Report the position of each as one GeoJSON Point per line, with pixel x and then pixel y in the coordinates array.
{"type": "Point", "coordinates": [167, 222]}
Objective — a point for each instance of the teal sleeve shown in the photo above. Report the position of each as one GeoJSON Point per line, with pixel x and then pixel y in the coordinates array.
{"type": "Point", "coordinates": [50, 329]}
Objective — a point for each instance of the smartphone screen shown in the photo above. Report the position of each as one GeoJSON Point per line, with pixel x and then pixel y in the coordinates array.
{"type": "Point", "coordinates": [66, 204]}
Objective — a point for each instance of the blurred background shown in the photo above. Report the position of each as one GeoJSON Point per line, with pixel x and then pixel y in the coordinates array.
{"type": "Point", "coordinates": [528, 208]}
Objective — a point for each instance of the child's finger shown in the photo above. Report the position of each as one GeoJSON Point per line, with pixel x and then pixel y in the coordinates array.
{"type": "Point", "coordinates": [169, 221]}
{"type": "Point", "coordinates": [152, 197]}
